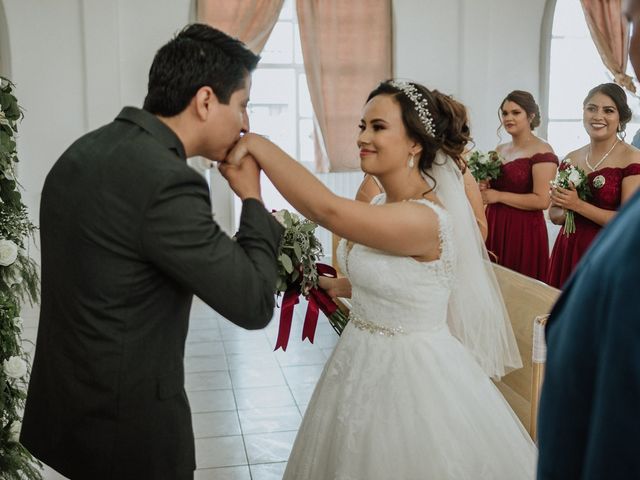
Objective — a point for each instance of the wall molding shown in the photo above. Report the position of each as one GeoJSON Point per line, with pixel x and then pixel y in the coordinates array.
{"type": "Point", "coordinates": [546, 30]}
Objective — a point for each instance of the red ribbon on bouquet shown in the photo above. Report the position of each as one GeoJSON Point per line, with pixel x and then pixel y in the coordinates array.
{"type": "Point", "coordinates": [318, 300]}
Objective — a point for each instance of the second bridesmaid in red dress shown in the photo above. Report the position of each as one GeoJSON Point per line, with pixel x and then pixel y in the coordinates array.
{"type": "Point", "coordinates": [516, 200]}
{"type": "Point", "coordinates": [613, 174]}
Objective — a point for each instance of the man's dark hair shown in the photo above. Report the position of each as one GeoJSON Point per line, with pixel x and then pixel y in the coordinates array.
{"type": "Point", "coordinates": [198, 56]}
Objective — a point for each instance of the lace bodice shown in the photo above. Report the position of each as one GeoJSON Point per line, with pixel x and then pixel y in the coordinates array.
{"type": "Point", "coordinates": [397, 291]}
{"type": "Point", "coordinates": [516, 176]}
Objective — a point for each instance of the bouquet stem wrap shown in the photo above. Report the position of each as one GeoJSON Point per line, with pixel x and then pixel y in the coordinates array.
{"type": "Point", "coordinates": [319, 301]}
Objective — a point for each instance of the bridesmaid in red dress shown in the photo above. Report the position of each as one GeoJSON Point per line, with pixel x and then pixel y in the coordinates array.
{"type": "Point", "coordinates": [613, 171]}
{"type": "Point", "coordinates": [516, 200]}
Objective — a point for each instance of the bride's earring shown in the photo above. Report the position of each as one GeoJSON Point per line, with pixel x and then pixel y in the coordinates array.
{"type": "Point", "coordinates": [412, 161]}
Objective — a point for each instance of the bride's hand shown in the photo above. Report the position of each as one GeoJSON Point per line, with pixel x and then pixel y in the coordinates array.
{"type": "Point", "coordinates": [238, 152]}
{"type": "Point", "coordinates": [335, 287]}
{"type": "Point", "coordinates": [242, 148]}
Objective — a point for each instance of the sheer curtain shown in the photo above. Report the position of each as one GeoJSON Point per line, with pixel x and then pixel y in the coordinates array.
{"type": "Point", "coordinates": [610, 33]}
{"type": "Point", "coordinates": [249, 20]}
{"type": "Point", "coordinates": [347, 51]}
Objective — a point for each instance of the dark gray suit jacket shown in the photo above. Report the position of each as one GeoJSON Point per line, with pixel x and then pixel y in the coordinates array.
{"type": "Point", "coordinates": [127, 238]}
{"type": "Point", "coordinates": [589, 420]}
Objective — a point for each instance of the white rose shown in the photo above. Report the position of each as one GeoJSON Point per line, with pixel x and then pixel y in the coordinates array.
{"type": "Point", "coordinates": [8, 252]}
{"type": "Point", "coordinates": [15, 367]}
{"type": "Point", "coordinates": [575, 178]}
{"type": "Point", "coordinates": [16, 278]}
{"type": "Point", "coordinates": [14, 430]}
{"type": "Point", "coordinates": [3, 118]}
{"type": "Point", "coordinates": [279, 216]}
{"type": "Point", "coordinates": [17, 322]}
{"type": "Point", "coordinates": [483, 158]}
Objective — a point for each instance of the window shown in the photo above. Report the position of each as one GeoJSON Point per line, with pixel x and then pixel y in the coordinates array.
{"type": "Point", "coordinates": [575, 68]}
{"type": "Point", "coordinates": [280, 105]}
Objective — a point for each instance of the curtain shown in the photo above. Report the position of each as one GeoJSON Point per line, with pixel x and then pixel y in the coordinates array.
{"type": "Point", "coordinates": [610, 33]}
{"type": "Point", "coordinates": [346, 47]}
{"type": "Point", "coordinates": [251, 21]}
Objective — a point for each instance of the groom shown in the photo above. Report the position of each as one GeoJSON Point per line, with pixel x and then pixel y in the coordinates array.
{"type": "Point", "coordinates": [589, 420]}
{"type": "Point", "coordinates": [127, 239]}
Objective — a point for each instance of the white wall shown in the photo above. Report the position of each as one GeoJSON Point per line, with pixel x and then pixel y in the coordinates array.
{"type": "Point", "coordinates": [76, 63]}
{"type": "Point", "coordinates": [476, 50]}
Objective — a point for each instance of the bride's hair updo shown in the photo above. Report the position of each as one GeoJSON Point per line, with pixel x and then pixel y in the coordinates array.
{"type": "Point", "coordinates": [440, 123]}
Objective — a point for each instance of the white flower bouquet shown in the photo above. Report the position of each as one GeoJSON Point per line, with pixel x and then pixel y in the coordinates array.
{"type": "Point", "coordinates": [485, 166]}
{"type": "Point", "coordinates": [298, 271]}
{"type": "Point", "coordinates": [568, 176]}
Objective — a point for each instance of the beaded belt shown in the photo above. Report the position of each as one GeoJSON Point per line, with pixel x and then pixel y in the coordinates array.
{"type": "Point", "coordinates": [372, 327]}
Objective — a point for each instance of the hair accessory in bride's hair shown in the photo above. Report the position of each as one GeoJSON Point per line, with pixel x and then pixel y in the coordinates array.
{"type": "Point", "coordinates": [420, 103]}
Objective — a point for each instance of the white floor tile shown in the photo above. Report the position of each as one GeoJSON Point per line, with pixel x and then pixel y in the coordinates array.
{"type": "Point", "coordinates": [220, 452]}
{"type": "Point", "coordinates": [207, 381]}
{"type": "Point", "coordinates": [268, 471]}
{"type": "Point", "coordinates": [267, 420]}
{"type": "Point", "coordinates": [224, 473]}
{"type": "Point", "coordinates": [269, 447]}
{"type": "Point", "coordinates": [215, 424]}
{"type": "Point", "coordinates": [264, 397]}
{"type": "Point", "coordinates": [257, 377]}
{"type": "Point", "coordinates": [211, 400]}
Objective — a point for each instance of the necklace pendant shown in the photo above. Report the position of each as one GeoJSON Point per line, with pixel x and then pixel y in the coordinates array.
{"type": "Point", "coordinates": [599, 181]}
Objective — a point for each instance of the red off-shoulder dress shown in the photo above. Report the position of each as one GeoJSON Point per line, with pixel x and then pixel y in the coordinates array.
{"type": "Point", "coordinates": [518, 238]}
{"type": "Point", "coordinates": [567, 251]}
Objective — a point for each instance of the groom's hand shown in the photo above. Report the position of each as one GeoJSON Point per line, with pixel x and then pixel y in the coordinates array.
{"type": "Point", "coordinates": [243, 177]}
{"type": "Point", "coordinates": [239, 151]}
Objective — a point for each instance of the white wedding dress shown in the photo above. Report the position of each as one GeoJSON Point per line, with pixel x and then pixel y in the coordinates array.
{"type": "Point", "coordinates": [401, 398]}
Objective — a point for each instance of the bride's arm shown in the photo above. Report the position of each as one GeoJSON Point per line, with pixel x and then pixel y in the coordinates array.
{"type": "Point", "coordinates": [405, 228]}
{"type": "Point", "coordinates": [472, 190]}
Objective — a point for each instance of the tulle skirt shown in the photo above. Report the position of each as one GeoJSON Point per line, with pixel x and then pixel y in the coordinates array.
{"type": "Point", "coordinates": [410, 406]}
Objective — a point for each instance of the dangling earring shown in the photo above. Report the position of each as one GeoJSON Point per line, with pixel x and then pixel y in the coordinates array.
{"type": "Point", "coordinates": [411, 160]}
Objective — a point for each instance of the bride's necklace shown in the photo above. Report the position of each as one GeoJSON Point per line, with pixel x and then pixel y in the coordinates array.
{"type": "Point", "coordinates": [595, 167]}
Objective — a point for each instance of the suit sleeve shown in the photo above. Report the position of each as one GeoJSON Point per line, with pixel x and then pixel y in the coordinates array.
{"type": "Point", "coordinates": [612, 449]}
{"type": "Point", "coordinates": [236, 278]}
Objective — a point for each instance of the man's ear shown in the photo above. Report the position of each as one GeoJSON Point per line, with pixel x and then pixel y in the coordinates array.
{"type": "Point", "coordinates": [205, 101]}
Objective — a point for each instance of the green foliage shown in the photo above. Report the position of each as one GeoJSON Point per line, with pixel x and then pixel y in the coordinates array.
{"type": "Point", "coordinates": [485, 166]}
{"type": "Point", "coordinates": [19, 282]}
{"type": "Point", "coordinates": [570, 176]}
{"type": "Point", "coordinates": [299, 251]}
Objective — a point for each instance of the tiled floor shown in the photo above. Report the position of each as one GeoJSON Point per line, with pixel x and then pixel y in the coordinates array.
{"type": "Point", "coordinates": [246, 399]}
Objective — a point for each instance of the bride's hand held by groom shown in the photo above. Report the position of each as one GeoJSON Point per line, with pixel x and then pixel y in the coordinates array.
{"type": "Point", "coordinates": [243, 176]}
{"type": "Point", "coordinates": [239, 151]}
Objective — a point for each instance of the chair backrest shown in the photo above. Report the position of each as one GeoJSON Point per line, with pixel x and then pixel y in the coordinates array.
{"type": "Point", "coordinates": [526, 299]}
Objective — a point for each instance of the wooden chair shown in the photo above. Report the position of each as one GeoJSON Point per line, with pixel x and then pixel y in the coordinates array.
{"type": "Point", "coordinates": [528, 302]}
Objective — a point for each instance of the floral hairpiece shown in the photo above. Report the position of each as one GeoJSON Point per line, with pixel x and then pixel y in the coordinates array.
{"type": "Point", "coordinates": [420, 103]}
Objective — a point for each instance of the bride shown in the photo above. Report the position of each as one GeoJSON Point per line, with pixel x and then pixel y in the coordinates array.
{"type": "Point", "coordinates": [406, 393]}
